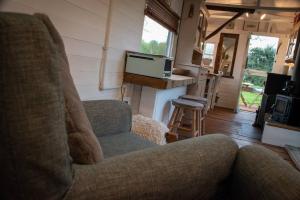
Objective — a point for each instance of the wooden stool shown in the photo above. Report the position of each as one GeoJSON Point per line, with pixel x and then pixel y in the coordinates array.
{"type": "Point", "coordinates": [176, 126]}
{"type": "Point", "coordinates": [198, 99]}
{"type": "Point", "coordinates": [201, 100]}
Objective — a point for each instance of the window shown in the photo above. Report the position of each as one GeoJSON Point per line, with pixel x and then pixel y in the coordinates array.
{"type": "Point", "coordinates": [156, 39]}
{"type": "Point", "coordinates": [208, 54]}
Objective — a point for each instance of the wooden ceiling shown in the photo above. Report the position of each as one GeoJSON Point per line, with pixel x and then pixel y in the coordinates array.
{"type": "Point", "coordinates": [275, 10]}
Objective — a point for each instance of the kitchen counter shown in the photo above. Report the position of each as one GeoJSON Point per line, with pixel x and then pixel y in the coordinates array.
{"type": "Point", "coordinates": [159, 83]}
{"type": "Point", "coordinates": [158, 93]}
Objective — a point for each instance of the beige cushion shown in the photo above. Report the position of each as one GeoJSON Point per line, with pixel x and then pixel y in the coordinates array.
{"type": "Point", "coordinates": [83, 144]}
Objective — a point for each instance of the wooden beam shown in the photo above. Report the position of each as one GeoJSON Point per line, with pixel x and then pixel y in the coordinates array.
{"type": "Point", "coordinates": [225, 24]}
{"type": "Point", "coordinates": [229, 9]}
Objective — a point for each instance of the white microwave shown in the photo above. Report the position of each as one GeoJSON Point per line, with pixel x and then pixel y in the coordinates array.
{"type": "Point", "coordinates": [148, 65]}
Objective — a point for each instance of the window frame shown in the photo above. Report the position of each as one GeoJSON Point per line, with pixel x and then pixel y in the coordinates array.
{"type": "Point", "coordinates": [170, 39]}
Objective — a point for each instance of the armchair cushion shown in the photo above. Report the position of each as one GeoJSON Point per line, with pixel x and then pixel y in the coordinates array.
{"type": "Point", "coordinates": [189, 169]}
{"type": "Point", "coordinates": [83, 144]}
{"type": "Point", "coordinates": [122, 143]}
{"type": "Point", "coordinates": [108, 117]}
{"type": "Point", "coordinates": [261, 174]}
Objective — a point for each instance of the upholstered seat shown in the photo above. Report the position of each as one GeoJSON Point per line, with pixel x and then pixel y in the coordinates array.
{"type": "Point", "coordinates": [123, 143]}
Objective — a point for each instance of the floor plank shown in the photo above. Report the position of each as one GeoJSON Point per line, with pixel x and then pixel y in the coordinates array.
{"type": "Point", "coordinates": [239, 127]}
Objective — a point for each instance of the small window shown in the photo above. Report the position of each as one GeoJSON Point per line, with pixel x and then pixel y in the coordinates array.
{"type": "Point", "coordinates": [156, 39]}
{"type": "Point", "coordinates": [208, 54]}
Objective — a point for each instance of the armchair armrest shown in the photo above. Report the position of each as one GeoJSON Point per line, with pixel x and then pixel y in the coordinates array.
{"type": "Point", "coordinates": [108, 116]}
{"type": "Point", "coordinates": [190, 169]}
{"type": "Point", "coordinates": [261, 174]}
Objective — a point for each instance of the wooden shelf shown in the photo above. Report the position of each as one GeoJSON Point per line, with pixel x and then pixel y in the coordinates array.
{"type": "Point", "coordinates": [159, 83]}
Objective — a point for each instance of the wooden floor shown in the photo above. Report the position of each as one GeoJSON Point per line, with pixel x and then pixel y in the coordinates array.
{"type": "Point", "coordinates": [239, 127]}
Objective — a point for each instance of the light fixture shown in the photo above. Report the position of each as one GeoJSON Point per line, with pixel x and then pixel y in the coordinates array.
{"type": "Point", "coordinates": [262, 16]}
{"type": "Point", "coordinates": [247, 14]}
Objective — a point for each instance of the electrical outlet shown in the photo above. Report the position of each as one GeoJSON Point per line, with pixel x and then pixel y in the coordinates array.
{"type": "Point", "coordinates": [127, 100]}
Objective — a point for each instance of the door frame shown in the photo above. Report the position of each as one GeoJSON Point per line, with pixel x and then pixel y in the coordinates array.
{"type": "Point", "coordinates": [237, 107]}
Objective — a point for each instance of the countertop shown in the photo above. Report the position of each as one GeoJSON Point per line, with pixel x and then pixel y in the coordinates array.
{"type": "Point", "coordinates": [159, 83]}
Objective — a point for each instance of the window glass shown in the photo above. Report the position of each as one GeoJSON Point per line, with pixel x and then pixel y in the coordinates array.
{"type": "Point", "coordinates": [208, 54]}
{"type": "Point", "coordinates": [156, 39]}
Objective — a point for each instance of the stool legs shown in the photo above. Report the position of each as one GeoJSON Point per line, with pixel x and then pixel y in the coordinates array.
{"type": "Point", "coordinates": [201, 122]}
{"type": "Point", "coordinates": [196, 123]}
{"type": "Point", "coordinates": [176, 124]}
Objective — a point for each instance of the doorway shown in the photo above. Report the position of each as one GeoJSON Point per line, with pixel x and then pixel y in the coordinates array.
{"type": "Point", "coordinates": [260, 61]}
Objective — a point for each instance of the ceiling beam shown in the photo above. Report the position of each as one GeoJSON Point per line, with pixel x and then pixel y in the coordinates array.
{"type": "Point", "coordinates": [224, 25]}
{"type": "Point", "coordinates": [282, 20]}
{"type": "Point", "coordinates": [232, 6]}
{"type": "Point", "coordinates": [229, 8]}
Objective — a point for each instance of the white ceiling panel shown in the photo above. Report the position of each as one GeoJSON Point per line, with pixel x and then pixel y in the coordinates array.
{"type": "Point", "coordinates": [280, 3]}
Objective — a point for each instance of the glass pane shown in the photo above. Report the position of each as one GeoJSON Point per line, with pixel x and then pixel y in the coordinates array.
{"type": "Point", "coordinates": [209, 48]}
{"type": "Point", "coordinates": [262, 51]}
{"type": "Point", "coordinates": [155, 38]}
{"type": "Point", "coordinates": [208, 55]}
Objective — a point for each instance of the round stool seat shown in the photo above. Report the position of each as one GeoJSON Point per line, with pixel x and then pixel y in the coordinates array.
{"type": "Point", "coordinates": [198, 99]}
{"type": "Point", "coordinates": [188, 104]}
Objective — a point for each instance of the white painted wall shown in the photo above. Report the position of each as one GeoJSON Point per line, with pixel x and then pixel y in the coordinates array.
{"type": "Point", "coordinates": [95, 39]}
{"type": "Point", "coordinates": [125, 33]}
{"type": "Point", "coordinates": [83, 27]}
{"type": "Point", "coordinates": [230, 88]}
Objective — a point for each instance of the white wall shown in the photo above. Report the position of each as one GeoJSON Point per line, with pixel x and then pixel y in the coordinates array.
{"type": "Point", "coordinates": [83, 26]}
{"type": "Point", "coordinates": [230, 88]}
{"type": "Point", "coordinates": [96, 34]}
{"type": "Point", "coordinates": [125, 33]}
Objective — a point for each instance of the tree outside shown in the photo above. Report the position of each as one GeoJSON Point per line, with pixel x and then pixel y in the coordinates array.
{"type": "Point", "coordinates": [261, 56]}
{"type": "Point", "coordinates": [155, 38]}
{"type": "Point", "coordinates": [154, 47]}
{"type": "Point", "coordinates": [260, 59]}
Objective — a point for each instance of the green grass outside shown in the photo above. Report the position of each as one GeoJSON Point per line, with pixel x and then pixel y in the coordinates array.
{"type": "Point", "coordinates": [252, 99]}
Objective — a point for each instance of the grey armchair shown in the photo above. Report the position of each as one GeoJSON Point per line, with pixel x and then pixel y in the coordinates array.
{"type": "Point", "coordinates": [35, 159]}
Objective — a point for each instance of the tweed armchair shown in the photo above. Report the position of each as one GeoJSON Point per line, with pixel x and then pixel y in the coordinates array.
{"type": "Point", "coordinates": [35, 159]}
